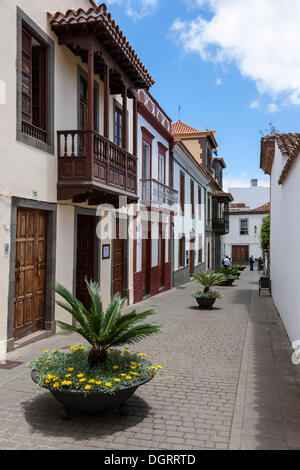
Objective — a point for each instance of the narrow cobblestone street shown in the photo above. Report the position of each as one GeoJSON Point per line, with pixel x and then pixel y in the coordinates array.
{"type": "Point", "coordinates": [229, 383]}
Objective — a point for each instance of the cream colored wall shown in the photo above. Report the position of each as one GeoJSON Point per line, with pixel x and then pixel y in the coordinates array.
{"type": "Point", "coordinates": [194, 147]}
{"type": "Point", "coordinates": [25, 169]}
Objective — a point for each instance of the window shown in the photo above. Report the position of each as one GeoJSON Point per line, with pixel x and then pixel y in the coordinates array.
{"type": "Point", "coordinates": [35, 85]}
{"type": "Point", "coordinates": [208, 208]}
{"type": "Point", "coordinates": [192, 200]}
{"type": "Point", "coordinates": [161, 168]}
{"type": "Point", "coordinates": [118, 126]}
{"type": "Point", "coordinates": [146, 161]}
{"type": "Point", "coordinates": [243, 226]}
{"type": "Point", "coordinates": [200, 250]}
{"type": "Point", "coordinates": [182, 191]}
{"type": "Point", "coordinates": [199, 202]}
{"type": "Point", "coordinates": [181, 255]}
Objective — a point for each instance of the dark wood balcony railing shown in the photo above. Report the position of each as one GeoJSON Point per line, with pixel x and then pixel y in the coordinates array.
{"type": "Point", "coordinates": [87, 157]}
{"type": "Point", "coordinates": [155, 193]}
{"type": "Point", "coordinates": [35, 132]}
{"type": "Point", "coordinates": [221, 224]}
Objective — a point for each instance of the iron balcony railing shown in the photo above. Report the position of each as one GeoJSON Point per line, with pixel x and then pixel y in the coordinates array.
{"type": "Point", "coordinates": [152, 192]}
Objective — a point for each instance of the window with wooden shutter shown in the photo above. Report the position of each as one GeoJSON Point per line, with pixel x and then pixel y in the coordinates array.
{"type": "Point", "coordinates": [200, 250]}
{"type": "Point", "coordinates": [182, 196]}
{"type": "Point", "coordinates": [199, 202]}
{"type": "Point", "coordinates": [181, 254]}
{"type": "Point", "coordinates": [192, 200]}
{"type": "Point", "coordinates": [34, 86]}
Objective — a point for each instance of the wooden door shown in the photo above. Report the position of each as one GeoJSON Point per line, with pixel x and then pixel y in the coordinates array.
{"type": "Point", "coordinates": [118, 260]}
{"type": "Point", "coordinates": [30, 272]}
{"type": "Point", "coordinates": [145, 265]}
{"type": "Point", "coordinates": [240, 253]}
{"type": "Point", "coordinates": [85, 256]}
{"type": "Point", "coordinates": [161, 258]}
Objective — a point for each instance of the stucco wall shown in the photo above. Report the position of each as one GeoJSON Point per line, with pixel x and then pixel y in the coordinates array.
{"type": "Point", "coordinates": [284, 244]}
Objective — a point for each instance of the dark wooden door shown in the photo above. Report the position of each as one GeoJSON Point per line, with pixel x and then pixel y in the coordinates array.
{"type": "Point", "coordinates": [145, 265]}
{"type": "Point", "coordinates": [118, 260]}
{"type": "Point", "coordinates": [240, 253]}
{"type": "Point", "coordinates": [30, 272]}
{"type": "Point", "coordinates": [85, 256]}
{"type": "Point", "coordinates": [161, 258]}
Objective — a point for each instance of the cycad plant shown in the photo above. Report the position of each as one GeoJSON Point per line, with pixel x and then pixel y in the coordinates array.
{"type": "Point", "coordinates": [209, 280]}
{"type": "Point", "coordinates": [103, 328]}
{"type": "Point", "coordinates": [228, 271]}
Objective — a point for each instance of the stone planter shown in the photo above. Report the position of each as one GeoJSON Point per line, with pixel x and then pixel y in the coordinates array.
{"type": "Point", "coordinates": [229, 281]}
{"type": "Point", "coordinates": [92, 402]}
{"type": "Point", "coordinates": [205, 302]}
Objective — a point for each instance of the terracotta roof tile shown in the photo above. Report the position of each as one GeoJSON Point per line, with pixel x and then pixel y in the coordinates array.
{"type": "Point", "coordinates": [100, 13]}
{"type": "Point", "coordinates": [289, 145]}
{"type": "Point", "coordinates": [218, 193]}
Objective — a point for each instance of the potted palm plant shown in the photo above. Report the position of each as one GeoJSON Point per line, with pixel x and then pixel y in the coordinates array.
{"type": "Point", "coordinates": [207, 297]}
{"type": "Point", "coordinates": [96, 377]}
{"type": "Point", "coordinates": [231, 273]}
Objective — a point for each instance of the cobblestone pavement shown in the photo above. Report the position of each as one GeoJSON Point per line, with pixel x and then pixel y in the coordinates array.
{"type": "Point", "coordinates": [228, 383]}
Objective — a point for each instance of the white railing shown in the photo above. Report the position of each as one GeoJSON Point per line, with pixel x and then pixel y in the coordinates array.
{"type": "Point", "coordinates": [152, 192]}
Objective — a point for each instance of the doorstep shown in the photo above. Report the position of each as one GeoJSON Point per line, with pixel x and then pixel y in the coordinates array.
{"type": "Point", "coordinates": [32, 338]}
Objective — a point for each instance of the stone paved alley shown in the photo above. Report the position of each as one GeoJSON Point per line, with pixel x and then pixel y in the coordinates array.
{"type": "Point", "coordinates": [229, 383]}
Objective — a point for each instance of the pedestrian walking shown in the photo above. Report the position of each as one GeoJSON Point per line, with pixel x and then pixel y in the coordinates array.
{"type": "Point", "coordinates": [260, 264]}
{"type": "Point", "coordinates": [252, 261]}
{"type": "Point", "coordinates": [226, 261]}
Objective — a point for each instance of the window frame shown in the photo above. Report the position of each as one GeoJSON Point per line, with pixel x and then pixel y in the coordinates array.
{"type": "Point", "coordinates": [182, 191]}
{"type": "Point", "coordinates": [24, 21]}
{"type": "Point", "coordinates": [243, 220]}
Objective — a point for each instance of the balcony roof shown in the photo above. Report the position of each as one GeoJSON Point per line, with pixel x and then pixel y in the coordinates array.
{"type": "Point", "coordinates": [97, 23]}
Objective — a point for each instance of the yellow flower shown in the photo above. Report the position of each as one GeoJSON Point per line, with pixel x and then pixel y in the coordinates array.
{"type": "Point", "coordinates": [123, 375]}
{"type": "Point", "coordinates": [92, 381]}
{"type": "Point", "coordinates": [79, 375]}
{"type": "Point", "coordinates": [48, 361]}
{"type": "Point", "coordinates": [128, 377]}
{"type": "Point", "coordinates": [49, 376]}
{"type": "Point", "coordinates": [56, 385]}
{"type": "Point", "coordinates": [159, 367]}
{"type": "Point", "coordinates": [115, 367]}
{"type": "Point", "coordinates": [47, 381]}
{"type": "Point", "coordinates": [98, 382]}
{"type": "Point", "coordinates": [68, 375]}
{"type": "Point", "coordinates": [54, 351]}
{"type": "Point", "coordinates": [108, 384]}
{"type": "Point", "coordinates": [142, 355]}
{"type": "Point", "coordinates": [82, 380]}
{"type": "Point", "coordinates": [133, 367]}
{"type": "Point", "coordinates": [152, 374]}
{"type": "Point", "coordinates": [88, 387]}
{"type": "Point", "coordinates": [45, 350]}
{"type": "Point", "coordinates": [133, 373]}
{"type": "Point", "coordinates": [71, 368]}
{"type": "Point", "coordinates": [153, 367]}
{"type": "Point", "coordinates": [64, 382]}
{"type": "Point", "coordinates": [68, 382]}
{"type": "Point", "coordinates": [139, 365]}
{"type": "Point", "coordinates": [117, 380]}
{"type": "Point", "coordinates": [55, 378]}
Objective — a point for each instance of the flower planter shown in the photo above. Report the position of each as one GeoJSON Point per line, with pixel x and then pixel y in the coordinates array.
{"type": "Point", "coordinates": [206, 302]}
{"type": "Point", "coordinates": [92, 402]}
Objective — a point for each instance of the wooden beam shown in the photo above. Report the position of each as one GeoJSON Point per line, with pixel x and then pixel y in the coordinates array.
{"type": "Point", "coordinates": [90, 89]}
{"type": "Point", "coordinates": [106, 102]}
{"type": "Point", "coordinates": [135, 125]}
{"type": "Point", "coordinates": [124, 118]}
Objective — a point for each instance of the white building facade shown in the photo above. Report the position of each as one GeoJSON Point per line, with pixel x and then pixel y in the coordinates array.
{"type": "Point", "coordinates": [252, 196]}
{"type": "Point", "coordinates": [243, 239]}
{"type": "Point", "coordinates": [68, 143]}
{"type": "Point", "coordinates": [190, 180]}
{"type": "Point", "coordinates": [280, 159]}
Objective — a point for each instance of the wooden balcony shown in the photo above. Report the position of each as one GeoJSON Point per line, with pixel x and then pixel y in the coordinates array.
{"type": "Point", "coordinates": [91, 167]}
{"type": "Point", "coordinates": [220, 225]}
{"type": "Point", "coordinates": [154, 193]}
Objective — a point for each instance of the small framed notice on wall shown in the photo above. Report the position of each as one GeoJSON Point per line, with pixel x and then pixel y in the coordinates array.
{"type": "Point", "coordinates": [105, 251]}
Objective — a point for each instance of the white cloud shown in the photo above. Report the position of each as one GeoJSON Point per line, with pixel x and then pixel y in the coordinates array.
{"type": "Point", "coordinates": [241, 181]}
{"type": "Point", "coordinates": [219, 81]}
{"type": "Point", "coordinates": [261, 39]}
{"type": "Point", "coordinates": [254, 104]}
{"type": "Point", "coordinates": [136, 8]}
{"type": "Point", "coordinates": [272, 108]}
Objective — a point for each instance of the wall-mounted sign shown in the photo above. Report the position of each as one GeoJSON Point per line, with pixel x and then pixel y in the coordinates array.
{"type": "Point", "coordinates": [105, 251]}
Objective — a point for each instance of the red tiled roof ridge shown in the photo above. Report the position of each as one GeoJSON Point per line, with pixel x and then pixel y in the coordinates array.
{"type": "Point", "coordinates": [187, 129]}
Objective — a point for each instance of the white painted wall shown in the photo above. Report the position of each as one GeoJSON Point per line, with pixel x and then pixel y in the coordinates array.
{"type": "Point", "coordinates": [184, 225]}
{"type": "Point", "coordinates": [253, 196]}
{"type": "Point", "coordinates": [284, 244]}
{"type": "Point", "coordinates": [251, 240]}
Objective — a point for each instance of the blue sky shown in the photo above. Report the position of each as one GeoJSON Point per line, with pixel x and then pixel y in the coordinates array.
{"type": "Point", "coordinates": [230, 69]}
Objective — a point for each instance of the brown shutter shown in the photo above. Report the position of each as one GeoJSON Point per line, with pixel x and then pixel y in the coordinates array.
{"type": "Point", "coordinates": [192, 199]}
{"type": "Point", "coordinates": [26, 77]}
{"type": "Point", "coordinates": [182, 192]}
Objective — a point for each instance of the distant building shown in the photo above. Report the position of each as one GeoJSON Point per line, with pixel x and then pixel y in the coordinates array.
{"type": "Point", "coordinates": [243, 239]}
{"type": "Point", "coordinates": [252, 196]}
